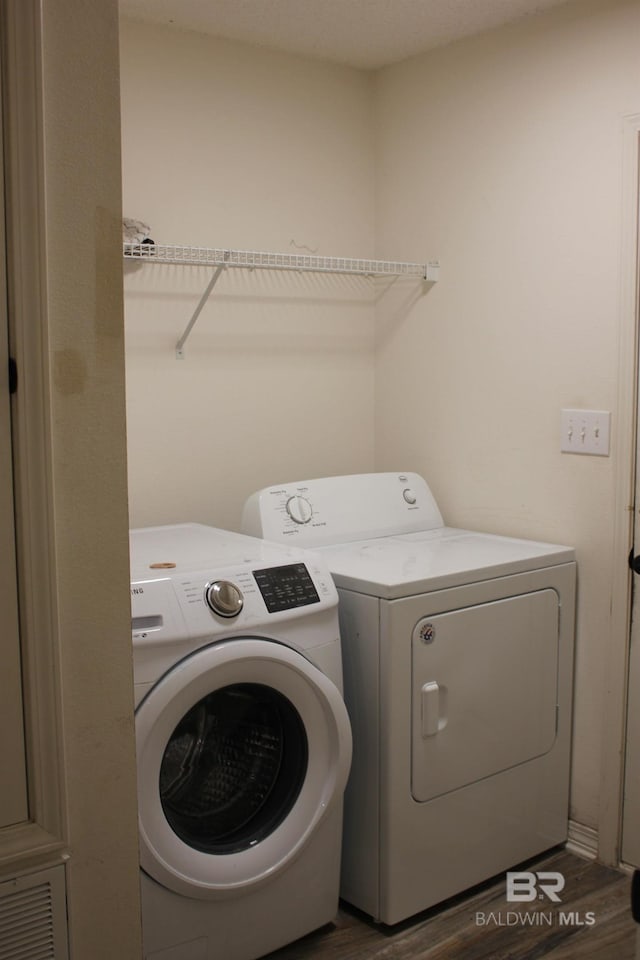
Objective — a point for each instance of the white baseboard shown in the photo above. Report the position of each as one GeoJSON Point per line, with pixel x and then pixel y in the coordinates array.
{"type": "Point", "coordinates": [582, 840]}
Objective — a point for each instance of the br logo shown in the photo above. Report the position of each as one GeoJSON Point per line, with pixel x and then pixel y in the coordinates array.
{"type": "Point", "coordinates": [525, 887]}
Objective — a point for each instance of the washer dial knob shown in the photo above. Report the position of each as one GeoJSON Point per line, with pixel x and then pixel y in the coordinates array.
{"type": "Point", "coordinates": [224, 598]}
{"type": "Point", "coordinates": [299, 509]}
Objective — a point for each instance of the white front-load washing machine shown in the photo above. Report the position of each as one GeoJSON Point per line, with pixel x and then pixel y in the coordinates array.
{"type": "Point", "coordinates": [458, 663]}
{"type": "Point", "coordinates": [243, 742]}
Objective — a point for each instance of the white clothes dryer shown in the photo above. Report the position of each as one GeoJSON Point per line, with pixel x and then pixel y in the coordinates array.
{"type": "Point", "coordinates": [243, 742]}
{"type": "Point", "coordinates": [458, 661]}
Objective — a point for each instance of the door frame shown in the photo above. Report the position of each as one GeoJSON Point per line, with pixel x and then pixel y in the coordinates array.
{"type": "Point", "coordinates": [43, 837]}
{"type": "Point", "coordinates": [624, 442]}
{"type": "Point", "coordinates": [13, 796]}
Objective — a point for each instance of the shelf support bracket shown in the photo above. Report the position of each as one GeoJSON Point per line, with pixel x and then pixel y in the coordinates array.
{"type": "Point", "coordinates": [198, 310]}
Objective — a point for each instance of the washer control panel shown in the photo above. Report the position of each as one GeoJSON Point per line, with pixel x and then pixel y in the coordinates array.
{"type": "Point", "coordinates": [287, 587]}
{"type": "Point", "coordinates": [237, 598]}
{"type": "Point", "coordinates": [191, 582]}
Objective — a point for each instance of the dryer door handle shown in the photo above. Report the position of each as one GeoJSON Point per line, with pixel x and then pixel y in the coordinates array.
{"type": "Point", "coordinates": [430, 708]}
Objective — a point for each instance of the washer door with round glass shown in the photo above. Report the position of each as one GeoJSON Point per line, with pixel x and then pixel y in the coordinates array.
{"type": "Point", "coordinates": [243, 748]}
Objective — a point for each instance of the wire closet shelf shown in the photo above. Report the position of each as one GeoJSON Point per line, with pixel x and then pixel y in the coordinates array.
{"type": "Point", "coordinates": [259, 259]}
{"type": "Point", "coordinates": [220, 259]}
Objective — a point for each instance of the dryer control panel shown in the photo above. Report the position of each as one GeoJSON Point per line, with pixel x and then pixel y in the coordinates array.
{"type": "Point", "coordinates": [329, 510]}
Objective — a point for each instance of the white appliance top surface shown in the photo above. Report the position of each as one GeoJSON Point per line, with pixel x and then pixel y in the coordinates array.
{"type": "Point", "coordinates": [174, 550]}
{"type": "Point", "coordinates": [408, 564]}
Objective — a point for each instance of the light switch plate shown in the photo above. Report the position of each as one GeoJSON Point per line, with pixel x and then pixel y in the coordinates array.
{"type": "Point", "coordinates": [585, 431]}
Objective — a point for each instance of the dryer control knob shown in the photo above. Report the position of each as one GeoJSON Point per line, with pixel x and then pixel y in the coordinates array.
{"type": "Point", "coordinates": [224, 598]}
{"type": "Point", "coordinates": [409, 495]}
{"type": "Point", "coordinates": [299, 509]}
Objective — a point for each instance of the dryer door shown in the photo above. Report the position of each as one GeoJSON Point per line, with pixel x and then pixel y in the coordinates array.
{"type": "Point", "coordinates": [484, 690]}
{"type": "Point", "coordinates": [243, 748]}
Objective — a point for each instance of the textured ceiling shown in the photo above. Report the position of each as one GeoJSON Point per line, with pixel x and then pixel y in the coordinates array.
{"type": "Point", "coordinates": [363, 33]}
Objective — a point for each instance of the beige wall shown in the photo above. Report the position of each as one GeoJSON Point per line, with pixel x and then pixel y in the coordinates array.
{"type": "Point", "coordinates": [503, 156]}
{"type": "Point", "coordinates": [226, 145]}
{"type": "Point", "coordinates": [86, 376]}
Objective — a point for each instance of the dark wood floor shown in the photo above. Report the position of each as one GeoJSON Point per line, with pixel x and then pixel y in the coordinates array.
{"type": "Point", "coordinates": [453, 932]}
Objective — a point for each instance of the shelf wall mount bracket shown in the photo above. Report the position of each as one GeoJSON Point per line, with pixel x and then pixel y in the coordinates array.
{"type": "Point", "coordinates": [198, 310]}
{"type": "Point", "coordinates": [432, 271]}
